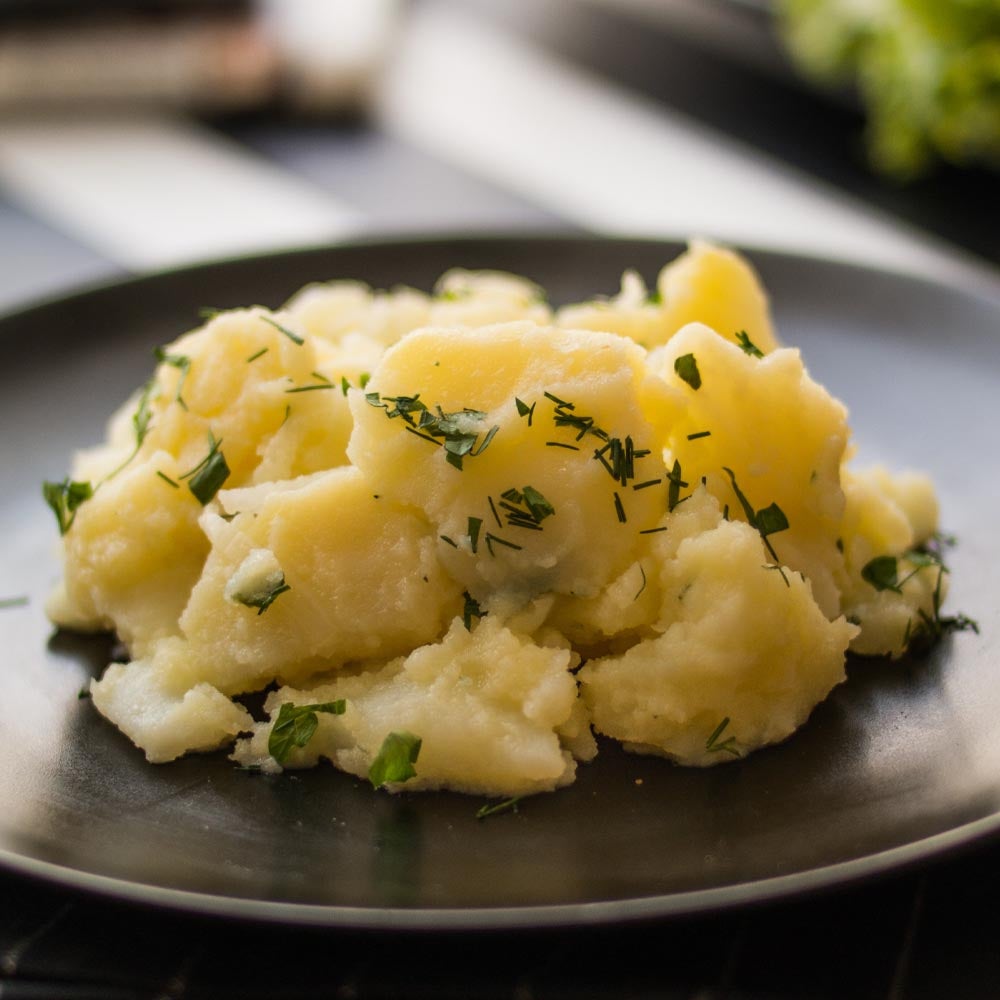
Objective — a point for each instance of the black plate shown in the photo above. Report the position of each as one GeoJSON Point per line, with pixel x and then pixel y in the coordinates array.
{"type": "Point", "coordinates": [900, 764]}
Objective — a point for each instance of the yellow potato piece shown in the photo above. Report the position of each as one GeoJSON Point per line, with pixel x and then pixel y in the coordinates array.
{"type": "Point", "coordinates": [779, 432]}
{"type": "Point", "coordinates": [516, 376]}
{"type": "Point", "coordinates": [363, 577]}
{"type": "Point", "coordinates": [743, 643]}
{"type": "Point", "coordinates": [717, 287]}
{"type": "Point", "coordinates": [486, 703]}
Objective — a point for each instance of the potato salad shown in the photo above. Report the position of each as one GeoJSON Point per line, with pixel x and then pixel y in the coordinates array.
{"type": "Point", "coordinates": [453, 536]}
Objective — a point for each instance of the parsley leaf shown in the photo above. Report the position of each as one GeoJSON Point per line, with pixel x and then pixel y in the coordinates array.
{"type": "Point", "coordinates": [492, 808]}
{"type": "Point", "coordinates": [882, 573]}
{"type": "Point", "coordinates": [687, 369]}
{"type": "Point", "coordinates": [456, 430]}
{"type": "Point", "coordinates": [182, 363]}
{"type": "Point", "coordinates": [295, 726]}
{"type": "Point", "coordinates": [207, 477]}
{"type": "Point", "coordinates": [470, 611]}
{"type": "Point", "coordinates": [768, 521]}
{"type": "Point", "coordinates": [395, 759]}
{"type": "Point", "coordinates": [747, 345]}
{"type": "Point", "coordinates": [65, 498]}
{"type": "Point", "coordinates": [264, 598]}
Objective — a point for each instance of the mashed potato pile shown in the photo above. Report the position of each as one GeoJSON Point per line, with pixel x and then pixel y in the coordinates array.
{"type": "Point", "coordinates": [455, 535]}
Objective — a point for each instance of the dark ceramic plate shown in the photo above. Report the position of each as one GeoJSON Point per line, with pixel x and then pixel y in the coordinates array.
{"type": "Point", "coordinates": [899, 765]}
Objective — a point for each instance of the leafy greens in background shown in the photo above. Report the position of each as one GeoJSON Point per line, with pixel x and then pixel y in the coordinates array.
{"type": "Point", "coordinates": [927, 72]}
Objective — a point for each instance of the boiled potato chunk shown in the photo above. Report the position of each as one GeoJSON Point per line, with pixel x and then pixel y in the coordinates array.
{"type": "Point", "coordinates": [781, 435]}
{"type": "Point", "coordinates": [134, 553]}
{"type": "Point", "coordinates": [487, 704]}
{"type": "Point", "coordinates": [744, 642]}
{"type": "Point", "coordinates": [523, 510]}
{"type": "Point", "coordinates": [889, 516]}
{"type": "Point", "coordinates": [364, 582]}
{"type": "Point", "coordinates": [718, 287]}
{"type": "Point", "coordinates": [630, 314]}
{"type": "Point", "coordinates": [151, 702]}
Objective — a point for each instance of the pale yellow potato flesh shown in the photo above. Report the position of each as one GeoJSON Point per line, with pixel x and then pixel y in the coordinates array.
{"type": "Point", "coordinates": [493, 526]}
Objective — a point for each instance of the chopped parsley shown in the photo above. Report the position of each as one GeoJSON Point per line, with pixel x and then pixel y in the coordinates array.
{"type": "Point", "coordinates": [565, 416]}
{"type": "Point", "coordinates": [264, 597]}
{"type": "Point", "coordinates": [312, 387]}
{"type": "Point", "coordinates": [686, 367]}
{"type": "Point", "coordinates": [768, 521]}
{"type": "Point", "coordinates": [293, 337]}
{"type": "Point", "coordinates": [471, 610]}
{"type": "Point", "coordinates": [676, 484]}
{"type": "Point", "coordinates": [296, 725]}
{"type": "Point", "coordinates": [882, 573]}
{"type": "Point", "coordinates": [619, 509]}
{"type": "Point", "coordinates": [395, 759]}
{"type": "Point", "coordinates": [475, 526]}
{"type": "Point", "coordinates": [65, 498]}
{"type": "Point", "coordinates": [747, 345]}
{"type": "Point", "coordinates": [207, 477]}
{"type": "Point", "coordinates": [525, 508]}
{"type": "Point", "coordinates": [714, 745]}
{"type": "Point", "coordinates": [493, 808]}
{"type": "Point", "coordinates": [182, 363]}
{"type": "Point", "coordinates": [455, 432]}
{"type": "Point", "coordinates": [638, 593]}
{"type": "Point", "coordinates": [492, 539]}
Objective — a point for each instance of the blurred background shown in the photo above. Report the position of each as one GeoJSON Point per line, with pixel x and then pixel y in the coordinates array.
{"type": "Point", "coordinates": [144, 134]}
{"type": "Point", "coordinates": [139, 134]}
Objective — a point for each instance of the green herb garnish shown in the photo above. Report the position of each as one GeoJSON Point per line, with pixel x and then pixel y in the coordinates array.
{"type": "Point", "coordinates": [491, 539]}
{"type": "Point", "coordinates": [263, 598]}
{"type": "Point", "coordinates": [676, 484]}
{"type": "Point", "coordinates": [65, 498]}
{"type": "Point", "coordinates": [296, 725]}
{"type": "Point", "coordinates": [182, 363]}
{"type": "Point", "coordinates": [638, 593]}
{"type": "Point", "coordinates": [687, 369]}
{"type": "Point", "coordinates": [492, 808]}
{"type": "Point", "coordinates": [257, 354]}
{"type": "Point", "coordinates": [620, 509]}
{"type": "Point", "coordinates": [395, 759]}
{"type": "Point", "coordinates": [471, 610]}
{"type": "Point", "coordinates": [523, 410]}
{"type": "Point", "coordinates": [768, 520]}
{"type": "Point", "coordinates": [475, 525]}
{"type": "Point", "coordinates": [452, 431]}
{"type": "Point", "coordinates": [747, 345]}
{"type": "Point", "coordinates": [207, 477]}
{"type": "Point", "coordinates": [882, 573]}
{"type": "Point", "coordinates": [293, 337]}
{"type": "Point", "coordinates": [714, 745]}
{"type": "Point", "coordinates": [168, 480]}
{"type": "Point", "coordinates": [13, 602]}
{"type": "Point", "coordinates": [525, 508]}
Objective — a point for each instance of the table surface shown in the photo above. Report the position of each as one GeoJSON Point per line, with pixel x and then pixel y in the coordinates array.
{"type": "Point", "coordinates": [601, 123]}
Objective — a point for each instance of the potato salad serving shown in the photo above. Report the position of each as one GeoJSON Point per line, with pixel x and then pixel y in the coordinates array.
{"type": "Point", "coordinates": [454, 536]}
